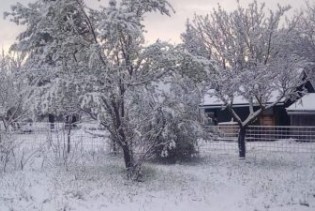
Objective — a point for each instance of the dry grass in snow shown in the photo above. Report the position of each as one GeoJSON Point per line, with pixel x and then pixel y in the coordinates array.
{"type": "Point", "coordinates": [215, 181]}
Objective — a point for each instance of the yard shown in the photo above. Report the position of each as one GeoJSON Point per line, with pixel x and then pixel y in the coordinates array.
{"type": "Point", "coordinates": [215, 180]}
{"type": "Point", "coordinates": [119, 70]}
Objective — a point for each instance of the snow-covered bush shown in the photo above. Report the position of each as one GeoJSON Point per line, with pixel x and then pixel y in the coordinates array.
{"type": "Point", "coordinates": [181, 143]}
{"type": "Point", "coordinates": [184, 123]}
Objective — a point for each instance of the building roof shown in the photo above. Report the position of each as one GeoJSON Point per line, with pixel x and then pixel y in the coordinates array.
{"type": "Point", "coordinates": [211, 101]}
{"type": "Point", "coordinates": [305, 105]}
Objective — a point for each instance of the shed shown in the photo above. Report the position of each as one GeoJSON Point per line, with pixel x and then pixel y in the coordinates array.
{"type": "Point", "coordinates": [215, 112]}
{"type": "Point", "coordinates": [302, 112]}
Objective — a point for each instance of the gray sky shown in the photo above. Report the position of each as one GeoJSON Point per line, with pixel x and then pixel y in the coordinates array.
{"type": "Point", "coordinates": [157, 26]}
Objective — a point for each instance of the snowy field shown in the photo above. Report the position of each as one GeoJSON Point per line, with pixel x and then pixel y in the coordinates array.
{"type": "Point", "coordinates": [216, 180]}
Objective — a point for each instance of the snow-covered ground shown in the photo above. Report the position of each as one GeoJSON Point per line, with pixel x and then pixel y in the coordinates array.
{"type": "Point", "coordinates": [217, 180]}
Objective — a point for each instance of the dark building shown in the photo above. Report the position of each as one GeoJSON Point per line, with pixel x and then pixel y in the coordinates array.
{"type": "Point", "coordinates": [273, 116]}
{"type": "Point", "coordinates": [286, 112]}
{"type": "Point", "coordinates": [302, 112]}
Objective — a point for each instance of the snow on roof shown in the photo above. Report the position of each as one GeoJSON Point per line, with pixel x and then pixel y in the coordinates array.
{"type": "Point", "coordinates": [210, 100]}
{"type": "Point", "coordinates": [227, 123]}
{"type": "Point", "coordinates": [305, 104]}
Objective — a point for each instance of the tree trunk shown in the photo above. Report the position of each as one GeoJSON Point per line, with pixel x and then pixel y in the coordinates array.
{"type": "Point", "coordinates": [114, 147]}
{"type": "Point", "coordinates": [133, 169]}
{"type": "Point", "coordinates": [69, 138]}
{"type": "Point", "coordinates": [5, 125]}
{"type": "Point", "coordinates": [129, 163]}
{"type": "Point", "coordinates": [242, 142]}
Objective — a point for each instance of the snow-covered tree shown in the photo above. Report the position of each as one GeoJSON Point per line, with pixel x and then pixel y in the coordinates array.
{"type": "Point", "coordinates": [13, 96]}
{"type": "Point", "coordinates": [99, 57]}
{"type": "Point", "coordinates": [304, 44]}
{"type": "Point", "coordinates": [247, 55]}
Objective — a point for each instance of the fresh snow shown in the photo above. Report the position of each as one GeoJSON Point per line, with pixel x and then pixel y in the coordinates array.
{"type": "Point", "coordinates": [306, 103]}
{"type": "Point", "coordinates": [210, 100]}
{"type": "Point", "coordinates": [216, 180]}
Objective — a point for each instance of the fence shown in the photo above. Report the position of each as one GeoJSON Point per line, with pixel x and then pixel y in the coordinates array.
{"type": "Point", "coordinates": [262, 138]}
{"type": "Point", "coordinates": [56, 144]}
{"type": "Point", "coordinates": [90, 137]}
{"type": "Point", "coordinates": [38, 132]}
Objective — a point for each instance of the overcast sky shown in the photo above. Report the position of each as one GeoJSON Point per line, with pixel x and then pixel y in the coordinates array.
{"type": "Point", "coordinates": [157, 26]}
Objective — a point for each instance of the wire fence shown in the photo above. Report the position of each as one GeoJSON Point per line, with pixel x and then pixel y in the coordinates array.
{"type": "Point", "coordinates": [300, 139]}
{"type": "Point", "coordinates": [31, 145]}
{"type": "Point", "coordinates": [90, 137]}
{"type": "Point", "coordinates": [38, 132]}
{"type": "Point", "coordinates": [56, 144]}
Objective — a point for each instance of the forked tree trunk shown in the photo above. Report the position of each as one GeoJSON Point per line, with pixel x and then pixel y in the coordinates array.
{"type": "Point", "coordinates": [241, 141]}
